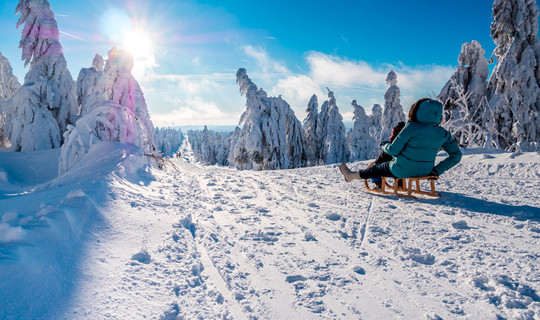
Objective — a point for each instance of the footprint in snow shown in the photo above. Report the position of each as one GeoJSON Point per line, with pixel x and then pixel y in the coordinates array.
{"type": "Point", "coordinates": [291, 279]}
{"type": "Point", "coordinates": [142, 257]}
{"type": "Point", "coordinates": [308, 236]}
{"type": "Point", "coordinates": [332, 216]}
{"type": "Point", "coordinates": [172, 313]}
{"type": "Point", "coordinates": [460, 225]}
{"type": "Point", "coordinates": [359, 270]}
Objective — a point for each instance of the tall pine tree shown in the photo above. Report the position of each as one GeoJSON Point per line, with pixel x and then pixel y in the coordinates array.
{"type": "Point", "coordinates": [514, 85]}
{"type": "Point", "coordinates": [331, 133]}
{"type": "Point", "coordinates": [40, 111]}
{"type": "Point", "coordinates": [464, 98]}
{"type": "Point", "coordinates": [393, 111]}
{"type": "Point", "coordinates": [310, 132]}
{"type": "Point", "coordinates": [360, 141]}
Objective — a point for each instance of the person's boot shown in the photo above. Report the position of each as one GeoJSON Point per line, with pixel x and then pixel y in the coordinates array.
{"type": "Point", "coordinates": [348, 174]}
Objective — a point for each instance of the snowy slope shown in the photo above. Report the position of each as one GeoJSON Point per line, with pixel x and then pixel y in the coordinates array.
{"type": "Point", "coordinates": [112, 240]}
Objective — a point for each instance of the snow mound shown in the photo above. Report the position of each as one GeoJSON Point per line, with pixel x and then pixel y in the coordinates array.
{"type": "Point", "coordinates": [47, 223]}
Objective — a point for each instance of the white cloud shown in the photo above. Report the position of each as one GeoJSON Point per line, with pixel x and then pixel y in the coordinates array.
{"type": "Point", "coordinates": [365, 80]}
{"type": "Point", "coordinates": [334, 71]}
{"type": "Point", "coordinates": [297, 90]}
{"type": "Point", "coordinates": [267, 64]}
{"type": "Point", "coordinates": [194, 111]}
{"type": "Point", "coordinates": [175, 100]}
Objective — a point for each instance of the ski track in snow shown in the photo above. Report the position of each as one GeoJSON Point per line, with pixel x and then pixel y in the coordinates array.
{"type": "Point", "coordinates": [196, 242]}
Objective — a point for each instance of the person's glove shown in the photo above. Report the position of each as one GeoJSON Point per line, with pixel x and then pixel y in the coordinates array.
{"type": "Point", "coordinates": [383, 143]}
{"type": "Point", "coordinates": [434, 174]}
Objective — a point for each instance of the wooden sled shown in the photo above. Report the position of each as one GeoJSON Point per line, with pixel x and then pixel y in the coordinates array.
{"type": "Point", "coordinates": [406, 188]}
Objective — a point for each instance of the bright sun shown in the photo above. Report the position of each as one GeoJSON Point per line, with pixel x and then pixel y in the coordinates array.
{"type": "Point", "coordinates": [139, 45]}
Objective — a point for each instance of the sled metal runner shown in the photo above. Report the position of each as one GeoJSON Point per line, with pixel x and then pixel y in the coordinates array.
{"type": "Point", "coordinates": [405, 188]}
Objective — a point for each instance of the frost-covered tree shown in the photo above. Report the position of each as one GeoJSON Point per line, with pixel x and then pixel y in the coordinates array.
{"type": "Point", "coordinates": [120, 86]}
{"type": "Point", "coordinates": [122, 117]}
{"type": "Point", "coordinates": [8, 82]}
{"type": "Point", "coordinates": [8, 86]}
{"type": "Point", "coordinates": [45, 105]}
{"type": "Point", "coordinates": [233, 139]}
{"type": "Point", "coordinates": [469, 129]}
{"type": "Point", "coordinates": [375, 120]}
{"type": "Point", "coordinates": [210, 147]}
{"type": "Point", "coordinates": [90, 86]}
{"type": "Point", "coordinates": [514, 85]}
{"type": "Point", "coordinates": [109, 121]}
{"type": "Point", "coordinates": [464, 97]}
{"type": "Point", "coordinates": [361, 143]}
{"type": "Point", "coordinates": [331, 133]}
{"type": "Point", "coordinates": [470, 76]}
{"type": "Point", "coordinates": [168, 140]}
{"type": "Point", "coordinates": [271, 135]}
{"type": "Point", "coordinates": [310, 132]}
{"type": "Point", "coordinates": [294, 133]}
{"type": "Point", "coordinates": [393, 111]}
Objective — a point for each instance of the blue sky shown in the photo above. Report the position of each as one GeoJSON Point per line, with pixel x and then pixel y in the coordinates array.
{"type": "Point", "coordinates": [187, 52]}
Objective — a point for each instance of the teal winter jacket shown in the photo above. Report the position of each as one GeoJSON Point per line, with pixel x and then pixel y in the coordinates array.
{"type": "Point", "coordinates": [415, 148]}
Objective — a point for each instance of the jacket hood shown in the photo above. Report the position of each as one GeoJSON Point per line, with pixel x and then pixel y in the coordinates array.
{"type": "Point", "coordinates": [430, 112]}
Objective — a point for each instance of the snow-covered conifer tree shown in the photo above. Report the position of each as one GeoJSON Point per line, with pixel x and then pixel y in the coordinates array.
{"type": "Point", "coordinates": [271, 135]}
{"type": "Point", "coordinates": [360, 142]}
{"type": "Point", "coordinates": [8, 86]}
{"type": "Point", "coordinates": [310, 132]}
{"type": "Point", "coordinates": [210, 147]}
{"type": "Point", "coordinates": [109, 121]}
{"type": "Point", "coordinates": [393, 111]}
{"type": "Point", "coordinates": [471, 76]}
{"type": "Point", "coordinates": [294, 133]}
{"type": "Point", "coordinates": [122, 117]}
{"type": "Point", "coordinates": [120, 86]}
{"type": "Point", "coordinates": [331, 132]}
{"type": "Point", "coordinates": [90, 86]}
{"type": "Point", "coordinates": [222, 147]}
{"type": "Point", "coordinates": [168, 140]}
{"type": "Point", "coordinates": [464, 97]}
{"type": "Point", "coordinates": [41, 109]}
{"type": "Point", "coordinates": [233, 139]}
{"type": "Point", "coordinates": [8, 82]}
{"type": "Point", "coordinates": [514, 85]}
{"type": "Point", "coordinates": [375, 119]}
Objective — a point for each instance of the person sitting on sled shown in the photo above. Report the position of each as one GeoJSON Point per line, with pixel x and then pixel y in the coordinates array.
{"type": "Point", "coordinates": [385, 157]}
{"type": "Point", "coordinates": [415, 148]}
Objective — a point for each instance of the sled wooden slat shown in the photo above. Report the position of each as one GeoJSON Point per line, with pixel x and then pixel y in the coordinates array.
{"type": "Point", "coordinates": [407, 189]}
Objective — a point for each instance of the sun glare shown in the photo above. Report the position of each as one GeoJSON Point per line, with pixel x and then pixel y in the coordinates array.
{"type": "Point", "coordinates": [132, 35]}
{"type": "Point", "coordinates": [139, 45]}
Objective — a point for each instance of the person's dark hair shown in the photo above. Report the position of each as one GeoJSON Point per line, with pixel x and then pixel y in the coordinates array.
{"type": "Point", "coordinates": [414, 109]}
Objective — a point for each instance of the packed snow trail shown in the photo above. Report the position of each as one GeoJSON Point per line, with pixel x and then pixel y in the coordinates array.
{"type": "Point", "coordinates": [193, 241]}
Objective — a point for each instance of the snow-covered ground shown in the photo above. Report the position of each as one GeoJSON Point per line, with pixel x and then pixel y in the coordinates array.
{"type": "Point", "coordinates": [113, 239]}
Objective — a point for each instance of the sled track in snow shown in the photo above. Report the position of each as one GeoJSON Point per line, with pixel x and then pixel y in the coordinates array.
{"type": "Point", "coordinates": [365, 226]}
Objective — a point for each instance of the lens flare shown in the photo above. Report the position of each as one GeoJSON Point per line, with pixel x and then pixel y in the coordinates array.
{"type": "Point", "coordinates": [138, 44]}
{"type": "Point", "coordinates": [114, 24]}
{"type": "Point", "coordinates": [130, 34]}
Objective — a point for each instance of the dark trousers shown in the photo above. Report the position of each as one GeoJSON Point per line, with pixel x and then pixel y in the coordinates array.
{"type": "Point", "coordinates": [377, 171]}
{"type": "Point", "coordinates": [383, 157]}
